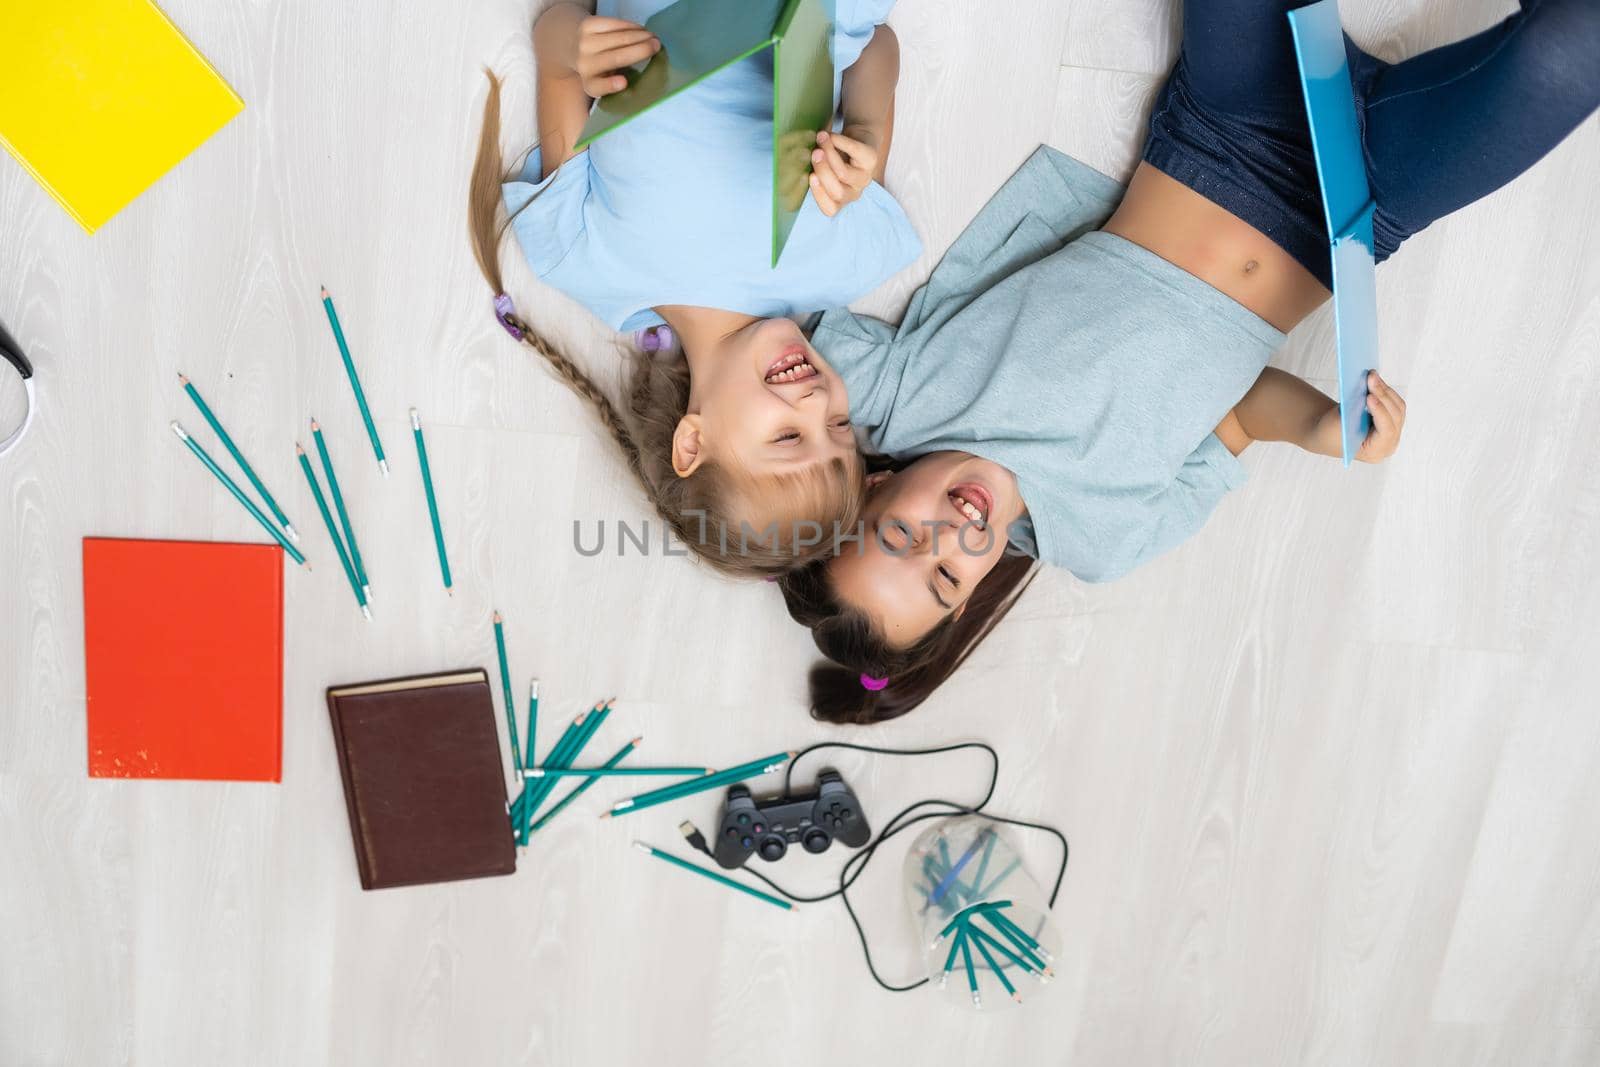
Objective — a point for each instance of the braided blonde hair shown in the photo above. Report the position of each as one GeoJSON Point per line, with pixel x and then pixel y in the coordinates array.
{"type": "Point", "coordinates": [705, 508]}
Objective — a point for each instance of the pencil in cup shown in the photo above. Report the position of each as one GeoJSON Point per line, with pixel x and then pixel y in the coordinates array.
{"type": "Point", "coordinates": [950, 960]}
{"type": "Point", "coordinates": [433, 503]}
{"type": "Point", "coordinates": [1043, 974]}
{"type": "Point", "coordinates": [355, 382]}
{"type": "Point", "coordinates": [238, 457]}
{"type": "Point", "coordinates": [995, 912]}
{"type": "Point", "coordinates": [238, 494]}
{"type": "Point", "coordinates": [776, 902]}
{"type": "Point", "coordinates": [333, 531]}
{"type": "Point", "coordinates": [700, 785]}
{"type": "Point", "coordinates": [972, 973]}
{"type": "Point", "coordinates": [344, 514]}
{"type": "Point", "coordinates": [988, 958]}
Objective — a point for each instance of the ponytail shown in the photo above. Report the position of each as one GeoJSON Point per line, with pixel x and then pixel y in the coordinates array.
{"type": "Point", "coordinates": [700, 508]}
{"type": "Point", "coordinates": [854, 648]}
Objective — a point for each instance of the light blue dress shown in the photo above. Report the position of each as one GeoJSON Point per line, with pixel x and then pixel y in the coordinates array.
{"type": "Point", "coordinates": [1091, 368]}
{"type": "Point", "coordinates": [675, 207]}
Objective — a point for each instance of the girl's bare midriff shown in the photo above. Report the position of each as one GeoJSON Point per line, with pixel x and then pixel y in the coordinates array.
{"type": "Point", "coordinates": [1187, 230]}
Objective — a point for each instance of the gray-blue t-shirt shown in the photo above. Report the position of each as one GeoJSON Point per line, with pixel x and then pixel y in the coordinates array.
{"type": "Point", "coordinates": [1091, 368]}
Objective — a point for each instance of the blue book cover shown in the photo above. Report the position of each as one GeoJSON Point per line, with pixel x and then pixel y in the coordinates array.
{"type": "Point", "coordinates": [1347, 207]}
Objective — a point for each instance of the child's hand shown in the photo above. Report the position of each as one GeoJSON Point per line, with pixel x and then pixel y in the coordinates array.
{"type": "Point", "coordinates": [1388, 419]}
{"type": "Point", "coordinates": [603, 47]}
{"type": "Point", "coordinates": [841, 170]}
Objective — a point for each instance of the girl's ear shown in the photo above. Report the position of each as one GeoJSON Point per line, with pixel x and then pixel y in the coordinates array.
{"type": "Point", "coordinates": [687, 454]}
{"type": "Point", "coordinates": [877, 478]}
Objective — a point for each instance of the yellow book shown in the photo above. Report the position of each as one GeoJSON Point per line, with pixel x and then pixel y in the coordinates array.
{"type": "Point", "coordinates": [99, 98]}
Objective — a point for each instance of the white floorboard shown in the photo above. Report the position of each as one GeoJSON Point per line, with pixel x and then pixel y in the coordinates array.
{"type": "Point", "coordinates": [1331, 771]}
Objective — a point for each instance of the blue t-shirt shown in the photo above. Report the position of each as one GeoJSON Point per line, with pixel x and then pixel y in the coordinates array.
{"type": "Point", "coordinates": [1091, 368]}
{"type": "Point", "coordinates": [675, 207]}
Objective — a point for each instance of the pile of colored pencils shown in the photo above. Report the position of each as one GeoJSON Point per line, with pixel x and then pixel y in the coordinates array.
{"type": "Point", "coordinates": [539, 779]}
{"type": "Point", "coordinates": [985, 938]}
{"type": "Point", "coordinates": [279, 526]}
{"type": "Point", "coordinates": [340, 532]}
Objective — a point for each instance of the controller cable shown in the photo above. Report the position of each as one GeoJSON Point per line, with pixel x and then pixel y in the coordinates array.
{"type": "Point", "coordinates": [856, 865]}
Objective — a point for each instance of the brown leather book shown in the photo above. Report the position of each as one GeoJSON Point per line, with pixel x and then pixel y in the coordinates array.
{"type": "Point", "coordinates": [420, 759]}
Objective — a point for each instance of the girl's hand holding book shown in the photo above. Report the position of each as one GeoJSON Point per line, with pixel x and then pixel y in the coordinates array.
{"type": "Point", "coordinates": [605, 46]}
{"type": "Point", "coordinates": [1388, 410]}
{"type": "Point", "coordinates": [592, 48]}
{"type": "Point", "coordinates": [841, 170]}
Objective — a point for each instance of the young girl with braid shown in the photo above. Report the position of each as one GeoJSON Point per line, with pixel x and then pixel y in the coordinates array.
{"type": "Point", "coordinates": [1083, 368]}
{"type": "Point", "coordinates": [666, 221]}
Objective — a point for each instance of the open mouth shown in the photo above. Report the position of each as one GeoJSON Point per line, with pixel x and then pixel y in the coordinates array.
{"type": "Point", "coordinates": [973, 502]}
{"type": "Point", "coordinates": [793, 366]}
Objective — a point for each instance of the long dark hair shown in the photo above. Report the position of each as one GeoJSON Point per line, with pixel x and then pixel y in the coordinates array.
{"type": "Point", "coordinates": [854, 647]}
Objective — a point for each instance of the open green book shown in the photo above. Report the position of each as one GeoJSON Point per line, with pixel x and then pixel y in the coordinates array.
{"type": "Point", "coordinates": [699, 38]}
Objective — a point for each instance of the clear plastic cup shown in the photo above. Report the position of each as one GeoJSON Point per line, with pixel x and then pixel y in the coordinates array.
{"type": "Point", "coordinates": [982, 921]}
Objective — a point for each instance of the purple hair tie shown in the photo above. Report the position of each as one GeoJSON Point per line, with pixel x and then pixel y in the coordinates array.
{"type": "Point", "coordinates": [503, 310]}
{"type": "Point", "coordinates": [654, 338]}
{"type": "Point", "coordinates": [873, 684]}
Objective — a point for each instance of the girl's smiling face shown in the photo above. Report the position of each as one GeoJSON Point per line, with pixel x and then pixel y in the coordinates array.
{"type": "Point", "coordinates": [768, 403]}
{"type": "Point", "coordinates": [931, 532]}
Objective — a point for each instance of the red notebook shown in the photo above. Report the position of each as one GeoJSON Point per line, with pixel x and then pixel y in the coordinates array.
{"type": "Point", "coordinates": [184, 656]}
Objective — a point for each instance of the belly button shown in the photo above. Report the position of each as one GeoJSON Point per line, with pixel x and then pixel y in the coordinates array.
{"type": "Point", "coordinates": [1250, 266]}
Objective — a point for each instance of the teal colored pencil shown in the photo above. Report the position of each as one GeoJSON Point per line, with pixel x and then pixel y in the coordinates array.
{"type": "Point", "coordinates": [505, 684]}
{"type": "Point", "coordinates": [972, 974]}
{"type": "Point", "coordinates": [604, 772]}
{"type": "Point", "coordinates": [355, 381]}
{"type": "Point", "coordinates": [985, 890]}
{"type": "Point", "coordinates": [572, 795]}
{"type": "Point", "coordinates": [983, 862]}
{"type": "Point", "coordinates": [533, 723]}
{"type": "Point", "coordinates": [338, 505]}
{"type": "Point", "coordinates": [995, 967]}
{"type": "Point", "coordinates": [700, 785]}
{"type": "Point", "coordinates": [1005, 931]}
{"type": "Point", "coordinates": [238, 457]}
{"type": "Point", "coordinates": [333, 531]}
{"type": "Point", "coordinates": [238, 494]}
{"type": "Point", "coordinates": [1015, 932]}
{"type": "Point", "coordinates": [965, 914]}
{"type": "Point", "coordinates": [575, 746]}
{"type": "Point", "coordinates": [533, 792]}
{"type": "Point", "coordinates": [714, 876]}
{"type": "Point", "coordinates": [433, 503]}
{"type": "Point", "coordinates": [950, 960]}
{"type": "Point", "coordinates": [1041, 973]}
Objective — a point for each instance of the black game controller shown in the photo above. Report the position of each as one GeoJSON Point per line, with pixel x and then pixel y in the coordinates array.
{"type": "Point", "coordinates": [768, 827]}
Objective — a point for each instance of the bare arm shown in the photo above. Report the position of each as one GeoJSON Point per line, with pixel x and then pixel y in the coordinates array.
{"type": "Point", "coordinates": [867, 95]}
{"type": "Point", "coordinates": [845, 163]}
{"type": "Point", "coordinates": [578, 55]}
{"type": "Point", "coordinates": [1282, 407]}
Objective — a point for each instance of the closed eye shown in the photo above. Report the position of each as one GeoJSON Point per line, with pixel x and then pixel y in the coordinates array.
{"type": "Point", "coordinates": [787, 437]}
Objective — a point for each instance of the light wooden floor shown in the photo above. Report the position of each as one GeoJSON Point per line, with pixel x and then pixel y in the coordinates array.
{"type": "Point", "coordinates": [1331, 772]}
